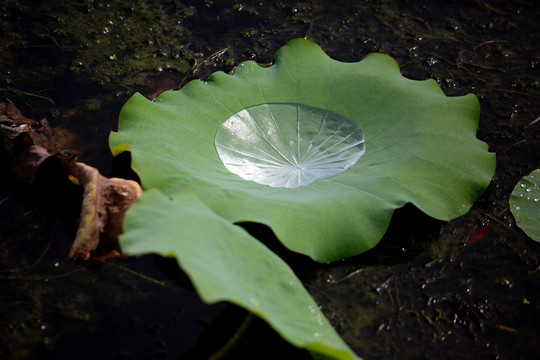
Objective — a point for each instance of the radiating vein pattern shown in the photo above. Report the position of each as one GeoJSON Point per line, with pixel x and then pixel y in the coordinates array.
{"type": "Point", "coordinates": [288, 145]}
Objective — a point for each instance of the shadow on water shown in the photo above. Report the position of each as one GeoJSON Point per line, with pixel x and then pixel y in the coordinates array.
{"type": "Point", "coordinates": [408, 234]}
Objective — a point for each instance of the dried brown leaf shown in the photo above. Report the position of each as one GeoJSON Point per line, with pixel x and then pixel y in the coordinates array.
{"type": "Point", "coordinates": [105, 202]}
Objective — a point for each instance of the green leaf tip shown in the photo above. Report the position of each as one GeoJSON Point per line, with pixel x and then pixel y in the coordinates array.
{"type": "Point", "coordinates": [117, 150]}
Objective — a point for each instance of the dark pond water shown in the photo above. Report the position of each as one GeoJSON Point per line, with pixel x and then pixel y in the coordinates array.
{"type": "Point", "coordinates": [425, 292]}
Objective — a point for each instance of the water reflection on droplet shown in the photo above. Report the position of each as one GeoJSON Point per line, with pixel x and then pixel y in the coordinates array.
{"type": "Point", "coordinates": [288, 145]}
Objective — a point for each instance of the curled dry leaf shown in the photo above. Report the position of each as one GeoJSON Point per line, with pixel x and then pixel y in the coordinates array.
{"type": "Point", "coordinates": [105, 201]}
{"type": "Point", "coordinates": [26, 145]}
{"type": "Point", "coordinates": [27, 163]}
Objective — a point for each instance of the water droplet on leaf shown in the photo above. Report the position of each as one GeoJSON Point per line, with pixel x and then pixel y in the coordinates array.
{"type": "Point", "coordinates": [288, 145]}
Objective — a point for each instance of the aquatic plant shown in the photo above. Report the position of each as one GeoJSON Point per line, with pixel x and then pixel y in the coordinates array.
{"type": "Point", "coordinates": [525, 204]}
{"type": "Point", "coordinates": [321, 151]}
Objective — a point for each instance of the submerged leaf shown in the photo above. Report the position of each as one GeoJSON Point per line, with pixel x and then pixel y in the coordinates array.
{"type": "Point", "coordinates": [525, 204]}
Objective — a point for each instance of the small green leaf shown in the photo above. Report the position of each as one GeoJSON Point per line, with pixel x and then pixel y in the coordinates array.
{"type": "Point", "coordinates": [225, 263]}
{"type": "Point", "coordinates": [525, 204]}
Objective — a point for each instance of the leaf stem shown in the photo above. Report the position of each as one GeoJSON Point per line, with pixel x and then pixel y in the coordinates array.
{"type": "Point", "coordinates": [234, 339]}
{"type": "Point", "coordinates": [15, 91]}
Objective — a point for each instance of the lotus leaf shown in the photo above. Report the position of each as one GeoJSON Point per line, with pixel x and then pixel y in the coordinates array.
{"type": "Point", "coordinates": [525, 204]}
{"type": "Point", "coordinates": [421, 147]}
{"type": "Point", "coordinates": [391, 141]}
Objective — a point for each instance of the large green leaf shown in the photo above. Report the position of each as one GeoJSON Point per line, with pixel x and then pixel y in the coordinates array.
{"type": "Point", "coordinates": [420, 148]}
{"type": "Point", "coordinates": [525, 204]}
{"type": "Point", "coordinates": [225, 263]}
{"type": "Point", "coordinates": [400, 141]}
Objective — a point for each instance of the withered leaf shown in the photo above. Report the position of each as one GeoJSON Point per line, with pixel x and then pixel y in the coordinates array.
{"type": "Point", "coordinates": [105, 202]}
{"type": "Point", "coordinates": [26, 144]}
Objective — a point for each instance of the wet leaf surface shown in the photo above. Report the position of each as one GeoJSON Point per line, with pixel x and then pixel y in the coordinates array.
{"type": "Point", "coordinates": [525, 204]}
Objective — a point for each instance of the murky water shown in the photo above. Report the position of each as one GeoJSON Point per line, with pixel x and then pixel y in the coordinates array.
{"type": "Point", "coordinates": [464, 289]}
